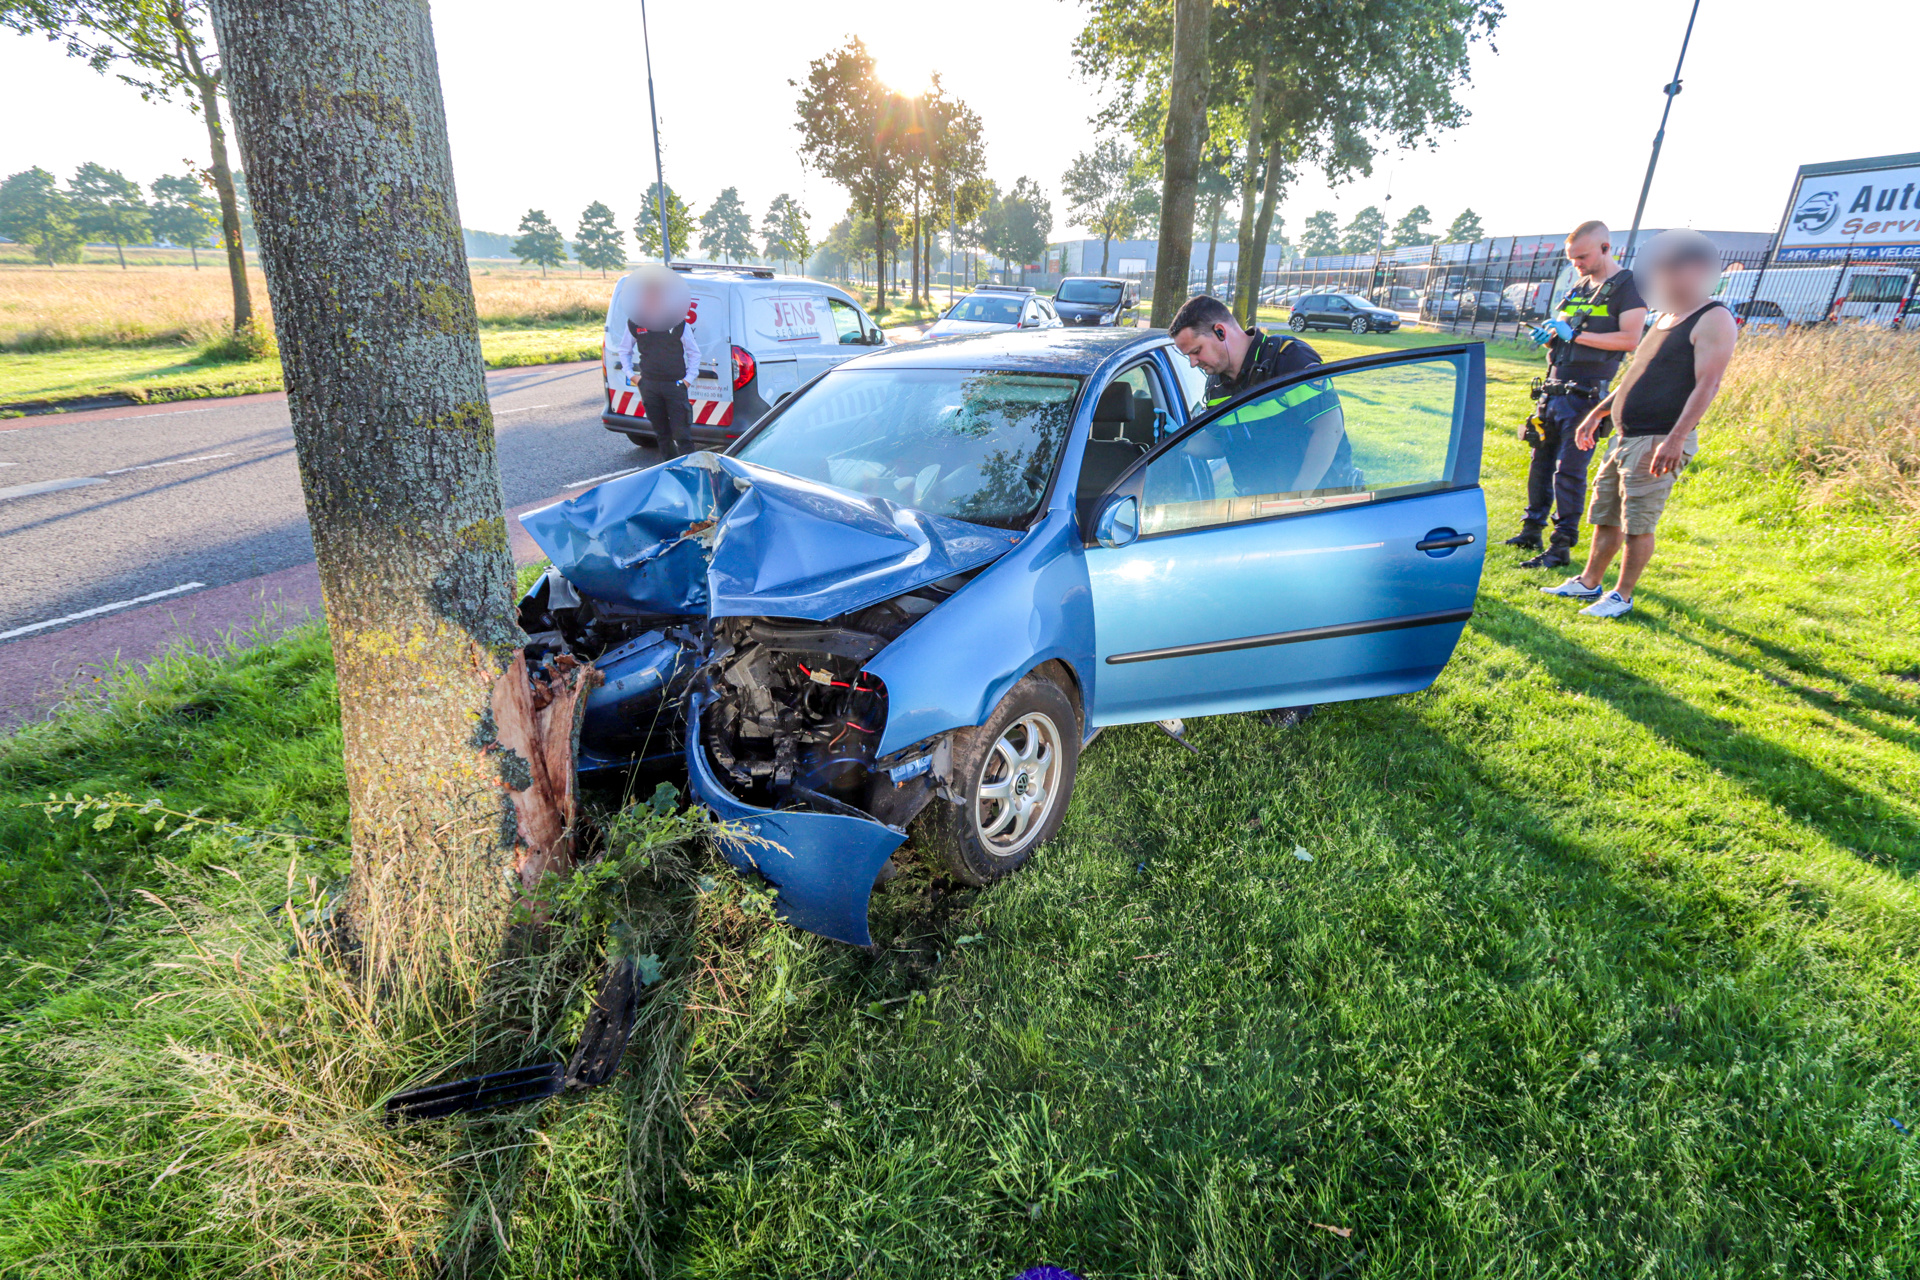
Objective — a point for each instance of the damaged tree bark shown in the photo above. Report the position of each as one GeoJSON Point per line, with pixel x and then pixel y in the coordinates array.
{"type": "Point", "coordinates": [458, 795]}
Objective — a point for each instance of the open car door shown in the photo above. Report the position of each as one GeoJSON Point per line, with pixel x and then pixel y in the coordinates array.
{"type": "Point", "coordinates": [1315, 540]}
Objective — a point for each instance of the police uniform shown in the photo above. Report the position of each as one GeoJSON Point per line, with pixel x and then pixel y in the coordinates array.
{"type": "Point", "coordinates": [1266, 441]}
{"type": "Point", "coordinates": [1557, 476]}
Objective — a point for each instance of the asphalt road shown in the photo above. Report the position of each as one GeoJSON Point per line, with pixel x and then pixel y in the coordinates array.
{"type": "Point", "coordinates": [101, 508]}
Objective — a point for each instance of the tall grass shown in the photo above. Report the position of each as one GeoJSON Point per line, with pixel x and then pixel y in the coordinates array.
{"type": "Point", "coordinates": [50, 309]}
{"type": "Point", "coordinates": [1834, 410]}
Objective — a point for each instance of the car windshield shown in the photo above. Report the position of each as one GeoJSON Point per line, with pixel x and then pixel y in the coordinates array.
{"type": "Point", "coordinates": [1353, 300]}
{"type": "Point", "coordinates": [986, 309]}
{"type": "Point", "coordinates": [1104, 292]}
{"type": "Point", "coordinates": [975, 444]}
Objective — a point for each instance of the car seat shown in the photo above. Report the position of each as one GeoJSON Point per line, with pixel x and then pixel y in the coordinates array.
{"type": "Point", "coordinates": [1114, 441]}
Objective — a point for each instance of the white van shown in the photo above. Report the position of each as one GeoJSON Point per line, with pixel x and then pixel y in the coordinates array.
{"type": "Point", "coordinates": [1856, 292]}
{"type": "Point", "coordinates": [761, 336]}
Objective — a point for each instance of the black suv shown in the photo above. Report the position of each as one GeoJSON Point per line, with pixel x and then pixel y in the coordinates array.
{"type": "Point", "coordinates": [1096, 300]}
{"type": "Point", "coordinates": [1340, 311]}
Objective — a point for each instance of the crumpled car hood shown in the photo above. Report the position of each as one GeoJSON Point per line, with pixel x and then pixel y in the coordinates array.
{"type": "Point", "coordinates": [712, 534]}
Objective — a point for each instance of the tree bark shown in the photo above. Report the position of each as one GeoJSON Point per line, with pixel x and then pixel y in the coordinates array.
{"type": "Point", "coordinates": [1186, 134]}
{"type": "Point", "coordinates": [342, 129]}
{"type": "Point", "coordinates": [914, 275]}
{"type": "Point", "coordinates": [1213, 241]}
{"type": "Point", "coordinates": [1243, 294]}
{"type": "Point", "coordinates": [1263, 224]}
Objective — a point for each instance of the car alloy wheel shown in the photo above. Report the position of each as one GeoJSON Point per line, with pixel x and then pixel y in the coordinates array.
{"type": "Point", "coordinates": [1018, 784]}
{"type": "Point", "coordinates": [1298, 323]}
{"type": "Point", "coordinates": [1010, 784]}
{"type": "Point", "coordinates": [1359, 325]}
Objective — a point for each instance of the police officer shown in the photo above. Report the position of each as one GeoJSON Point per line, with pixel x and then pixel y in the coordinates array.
{"type": "Point", "coordinates": [1598, 322]}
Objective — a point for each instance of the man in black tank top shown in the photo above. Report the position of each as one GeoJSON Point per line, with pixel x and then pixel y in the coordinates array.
{"type": "Point", "coordinates": [1676, 373]}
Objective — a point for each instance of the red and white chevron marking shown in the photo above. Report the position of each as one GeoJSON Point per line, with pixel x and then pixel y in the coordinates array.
{"type": "Point", "coordinates": [706, 413]}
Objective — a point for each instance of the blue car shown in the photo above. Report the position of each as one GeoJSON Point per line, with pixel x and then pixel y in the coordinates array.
{"type": "Point", "coordinates": [920, 585]}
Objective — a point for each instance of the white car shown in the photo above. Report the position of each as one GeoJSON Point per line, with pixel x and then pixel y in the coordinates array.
{"type": "Point", "coordinates": [995, 308]}
{"type": "Point", "coordinates": [761, 337]}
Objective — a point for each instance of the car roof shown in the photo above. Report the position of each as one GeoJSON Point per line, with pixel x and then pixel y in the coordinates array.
{"type": "Point", "coordinates": [1075, 351]}
{"type": "Point", "coordinates": [751, 277]}
{"type": "Point", "coordinates": [1101, 279]}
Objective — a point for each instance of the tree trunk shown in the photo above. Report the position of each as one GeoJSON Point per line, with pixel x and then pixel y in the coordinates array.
{"type": "Point", "coordinates": [914, 274]}
{"type": "Point", "coordinates": [1103, 256]}
{"type": "Point", "coordinates": [343, 132]}
{"type": "Point", "coordinates": [1186, 134]}
{"type": "Point", "coordinates": [209, 87]}
{"type": "Point", "coordinates": [120, 252]}
{"type": "Point", "coordinates": [194, 250]}
{"type": "Point", "coordinates": [879, 262]}
{"type": "Point", "coordinates": [1243, 294]}
{"type": "Point", "coordinates": [1269, 201]}
{"type": "Point", "coordinates": [1213, 241]}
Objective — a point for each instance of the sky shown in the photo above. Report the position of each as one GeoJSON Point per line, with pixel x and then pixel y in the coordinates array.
{"type": "Point", "coordinates": [552, 113]}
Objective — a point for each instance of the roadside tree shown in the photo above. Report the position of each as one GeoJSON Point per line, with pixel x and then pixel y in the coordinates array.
{"type": "Point", "coordinates": [785, 231]}
{"type": "Point", "coordinates": [108, 205]}
{"type": "Point", "coordinates": [646, 224]}
{"type": "Point", "coordinates": [360, 239]}
{"type": "Point", "coordinates": [1100, 186]}
{"type": "Point", "coordinates": [1412, 228]}
{"type": "Point", "coordinates": [165, 49]}
{"type": "Point", "coordinates": [726, 228]}
{"type": "Point", "coordinates": [599, 243]}
{"type": "Point", "coordinates": [1366, 232]}
{"type": "Point", "coordinates": [183, 213]}
{"type": "Point", "coordinates": [854, 130]}
{"type": "Point", "coordinates": [34, 211]}
{"type": "Point", "coordinates": [1465, 228]}
{"type": "Point", "coordinates": [1019, 224]}
{"type": "Point", "coordinates": [540, 241]}
{"type": "Point", "coordinates": [1320, 237]}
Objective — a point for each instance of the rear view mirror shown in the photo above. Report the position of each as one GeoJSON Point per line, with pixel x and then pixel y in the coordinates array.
{"type": "Point", "coordinates": [1119, 522]}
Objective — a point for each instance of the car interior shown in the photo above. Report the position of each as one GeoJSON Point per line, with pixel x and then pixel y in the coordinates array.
{"type": "Point", "coordinates": [1125, 422]}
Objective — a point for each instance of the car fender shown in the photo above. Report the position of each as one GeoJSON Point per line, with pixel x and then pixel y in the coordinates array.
{"type": "Point", "coordinates": [952, 667]}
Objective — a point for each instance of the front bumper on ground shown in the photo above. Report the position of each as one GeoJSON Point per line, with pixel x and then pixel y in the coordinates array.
{"type": "Point", "coordinates": [823, 864]}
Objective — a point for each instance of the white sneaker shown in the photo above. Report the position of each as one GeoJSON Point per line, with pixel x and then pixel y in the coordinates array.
{"type": "Point", "coordinates": [1572, 589]}
{"type": "Point", "coordinates": [1611, 605]}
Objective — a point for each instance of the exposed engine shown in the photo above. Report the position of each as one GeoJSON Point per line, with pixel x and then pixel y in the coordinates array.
{"type": "Point", "coordinates": [794, 718]}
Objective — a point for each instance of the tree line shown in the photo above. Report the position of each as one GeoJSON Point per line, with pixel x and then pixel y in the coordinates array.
{"type": "Point", "coordinates": [725, 232]}
{"type": "Point", "coordinates": [1232, 100]}
{"type": "Point", "coordinates": [99, 205]}
{"type": "Point", "coordinates": [1322, 236]}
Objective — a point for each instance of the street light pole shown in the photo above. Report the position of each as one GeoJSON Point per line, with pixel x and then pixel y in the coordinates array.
{"type": "Point", "coordinates": [1672, 90]}
{"type": "Point", "coordinates": [659, 173]}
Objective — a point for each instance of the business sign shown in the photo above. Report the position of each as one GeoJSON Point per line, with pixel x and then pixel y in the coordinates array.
{"type": "Point", "coordinates": [1853, 209]}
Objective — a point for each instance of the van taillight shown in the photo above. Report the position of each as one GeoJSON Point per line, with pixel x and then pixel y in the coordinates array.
{"type": "Point", "coordinates": [742, 367]}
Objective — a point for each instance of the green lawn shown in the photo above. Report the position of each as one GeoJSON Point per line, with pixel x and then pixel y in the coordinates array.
{"type": "Point", "coordinates": [1595, 960]}
{"type": "Point", "coordinates": [171, 373]}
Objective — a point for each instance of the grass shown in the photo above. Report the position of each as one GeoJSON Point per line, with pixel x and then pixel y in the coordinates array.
{"type": "Point", "coordinates": [1600, 961]}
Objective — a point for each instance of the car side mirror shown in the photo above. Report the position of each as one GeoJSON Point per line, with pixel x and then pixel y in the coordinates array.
{"type": "Point", "coordinates": [1119, 522]}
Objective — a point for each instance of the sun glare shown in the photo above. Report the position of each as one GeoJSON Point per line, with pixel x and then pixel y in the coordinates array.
{"type": "Point", "coordinates": [907, 72]}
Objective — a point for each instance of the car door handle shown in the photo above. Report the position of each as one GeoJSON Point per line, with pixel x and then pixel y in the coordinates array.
{"type": "Point", "coordinates": [1436, 544]}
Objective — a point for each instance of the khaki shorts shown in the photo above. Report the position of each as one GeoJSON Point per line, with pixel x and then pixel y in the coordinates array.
{"type": "Point", "coordinates": [1626, 493]}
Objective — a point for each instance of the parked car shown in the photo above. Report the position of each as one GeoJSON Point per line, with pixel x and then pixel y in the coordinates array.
{"type": "Point", "coordinates": [1489, 305]}
{"type": "Point", "coordinates": [1529, 299]}
{"type": "Point", "coordinates": [1440, 306]}
{"type": "Point", "coordinates": [1397, 298]}
{"type": "Point", "coordinates": [996, 307]}
{"type": "Point", "coordinates": [1760, 316]}
{"type": "Point", "coordinates": [1097, 300]}
{"type": "Point", "coordinates": [761, 336]}
{"type": "Point", "coordinates": [1340, 311]}
{"type": "Point", "coordinates": [914, 591]}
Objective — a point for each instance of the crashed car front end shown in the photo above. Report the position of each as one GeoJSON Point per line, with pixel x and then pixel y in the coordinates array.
{"type": "Point", "coordinates": [732, 612]}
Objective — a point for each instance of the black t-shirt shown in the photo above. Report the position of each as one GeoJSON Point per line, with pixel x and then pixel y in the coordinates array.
{"type": "Point", "coordinates": [1602, 305]}
{"type": "Point", "coordinates": [1270, 358]}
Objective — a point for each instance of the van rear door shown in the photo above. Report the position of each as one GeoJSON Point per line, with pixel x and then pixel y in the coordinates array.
{"type": "Point", "coordinates": [711, 394]}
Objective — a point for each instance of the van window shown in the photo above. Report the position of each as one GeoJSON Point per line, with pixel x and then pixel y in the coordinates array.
{"type": "Point", "coordinates": [848, 324]}
{"type": "Point", "coordinates": [1876, 289]}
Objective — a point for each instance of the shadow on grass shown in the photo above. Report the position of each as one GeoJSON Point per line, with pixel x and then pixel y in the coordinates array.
{"type": "Point", "coordinates": [1809, 794]}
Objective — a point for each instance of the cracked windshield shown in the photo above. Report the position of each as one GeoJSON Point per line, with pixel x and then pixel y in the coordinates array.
{"type": "Point", "coordinates": [974, 445]}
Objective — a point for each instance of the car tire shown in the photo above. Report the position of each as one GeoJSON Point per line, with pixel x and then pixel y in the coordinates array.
{"type": "Point", "coordinates": [640, 441]}
{"type": "Point", "coordinates": [1031, 743]}
{"type": "Point", "coordinates": [1359, 325]}
{"type": "Point", "coordinates": [1298, 323]}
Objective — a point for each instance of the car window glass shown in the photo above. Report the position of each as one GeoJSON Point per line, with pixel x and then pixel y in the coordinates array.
{"type": "Point", "coordinates": [1352, 438]}
{"type": "Point", "coordinates": [978, 445]}
{"type": "Point", "coordinates": [1193, 382]}
{"type": "Point", "coordinates": [985, 308]}
{"type": "Point", "coordinates": [848, 323]}
{"type": "Point", "coordinates": [1102, 292]}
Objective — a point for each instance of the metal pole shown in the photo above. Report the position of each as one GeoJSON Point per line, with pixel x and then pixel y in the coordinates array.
{"type": "Point", "coordinates": [1672, 90]}
{"type": "Point", "coordinates": [659, 173]}
{"type": "Point", "coordinates": [953, 242]}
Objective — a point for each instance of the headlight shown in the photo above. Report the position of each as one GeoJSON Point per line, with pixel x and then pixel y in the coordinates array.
{"type": "Point", "coordinates": [1109, 318]}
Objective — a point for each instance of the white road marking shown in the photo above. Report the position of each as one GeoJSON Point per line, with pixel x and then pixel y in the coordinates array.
{"type": "Point", "coordinates": [48, 486]}
{"type": "Point", "coordinates": [611, 475]}
{"type": "Point", "coordinates": [529, 408]}
{"type": "Point", "coordinates": [100, 609]}
{"type": "Point", "coordinates": [176, 462]}
{"type": "Point", "coordinates": [9, 464]}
